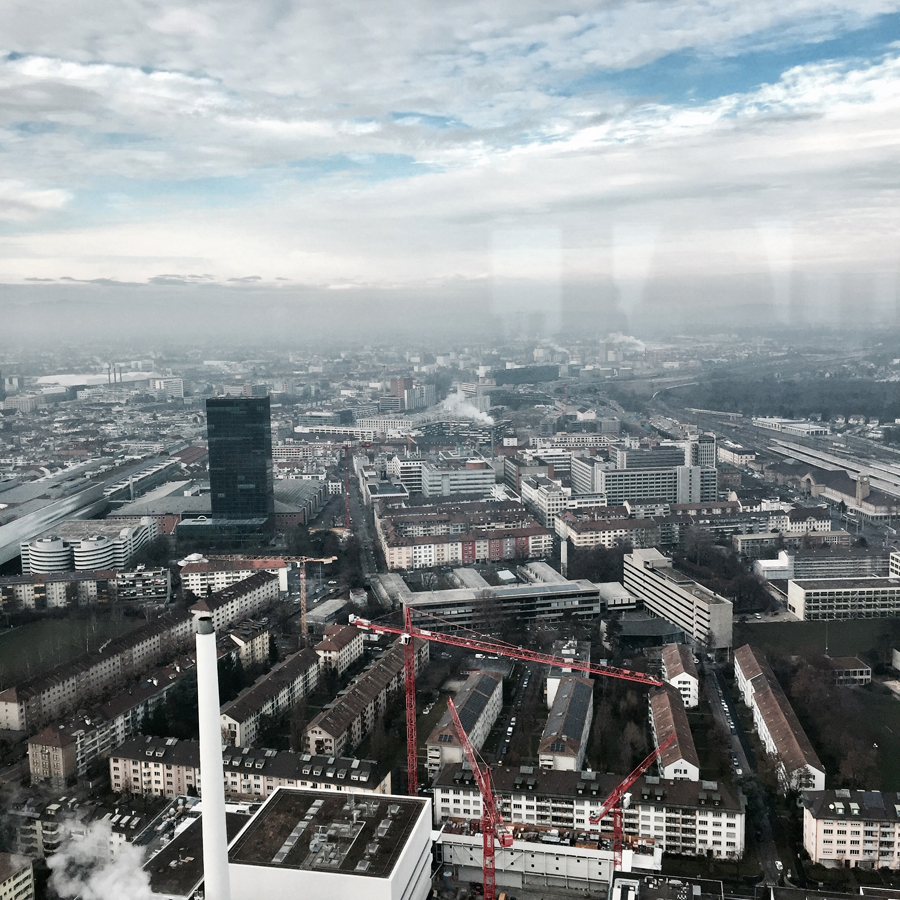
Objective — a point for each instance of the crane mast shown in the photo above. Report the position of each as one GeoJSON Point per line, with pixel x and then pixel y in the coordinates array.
{"type": "Point", "coordinates": [492, 827]}
{"type": "Point", "coordinates": [613, 803]}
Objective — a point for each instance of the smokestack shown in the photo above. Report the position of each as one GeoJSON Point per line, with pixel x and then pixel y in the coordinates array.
{"type": "Point", "coordinates": [212, 776]}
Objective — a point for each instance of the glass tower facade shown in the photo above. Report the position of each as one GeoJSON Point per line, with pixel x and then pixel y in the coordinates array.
{"type": "Point", "coordinates": [240, 457]}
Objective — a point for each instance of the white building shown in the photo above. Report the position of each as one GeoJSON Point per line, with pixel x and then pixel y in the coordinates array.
{"type": "Point", "coordinates": [852, 828]}
{"type": "Point", "coordinates": [340, 647]}
{"type": "Point", "coordinates": [679, 761]}
{"type": "Point", "coordinates": [16, 877]}
{"type": "Point", "coordinates": [776, 722]}
{"type": "Point", "coordinates": [451, 476]}
{"type": "Point", "coordinates": [200, 575]}
{"type": "Point", "coordinates": [679, 670]}
{"type": "Point", "coordinates": [844, 598]}
{"type": "Point", "coordinates": [332, 846]}
{"type": "Point", "coordinates": [689, 817]}
{"type": "Point", "coordinates": [703, 615]}
{"type": "Point", "coordinates": [241, 600]}
{"type": "Point", "coordinates": [478, 704]}
{"type": "Point", "coordinates": [170, 386]}
{"type": "Point", "coordinates": [86, 545]}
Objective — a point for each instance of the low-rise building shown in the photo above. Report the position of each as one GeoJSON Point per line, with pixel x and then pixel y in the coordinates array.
{"type": "Point", "coordinates": [253, 640]}
{"type": "Point", "coordinates": [341, 646]}
{"type": "Point", "coordinates": [478, 703]}
{"type": "Point", "coordinates": [679, 761]}
{"type": "Point", "coordinates": [844, 670]}
{"type": "Point", "coordinates": [679, 670]}
{"type": "Point", "coordinates": [852, 828]}
{"type": "Point", "coordinates": [270, 695]}
{"type": "Point", "coordinates": [610, 533]}
{"type": "Point", "coordinates": [844, 598]}
{"type": "Point", "coordinates": [340, 727]}
{"type": "Point", "coordinates": [169, 767]}
{"type": "Point", "coordinates": [564, 739]}
{"type": "Point", "coordinates": [776, 723]}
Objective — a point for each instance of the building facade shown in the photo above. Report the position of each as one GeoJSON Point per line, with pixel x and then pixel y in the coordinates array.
{"type": "Point", "coordinates": [679, 670]}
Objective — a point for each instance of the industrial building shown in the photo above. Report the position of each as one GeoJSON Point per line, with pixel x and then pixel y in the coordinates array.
{"type": "Point", "coordinates": [332, 846]}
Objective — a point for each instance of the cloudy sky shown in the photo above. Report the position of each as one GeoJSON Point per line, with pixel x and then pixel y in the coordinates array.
{"type": "Point", "coordinates": [549, 162]}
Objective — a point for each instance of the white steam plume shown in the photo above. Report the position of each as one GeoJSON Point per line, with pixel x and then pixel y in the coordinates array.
{"type": "Point", "coordinates": [459, 406]}
{"type": "Point", "coordinates": [84, 868]}
{"type": "Point", "coordinates": [626, 342]}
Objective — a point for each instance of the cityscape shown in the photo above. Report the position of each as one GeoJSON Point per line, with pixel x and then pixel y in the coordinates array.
{"type": "Point", "coordinates": [450, 452]}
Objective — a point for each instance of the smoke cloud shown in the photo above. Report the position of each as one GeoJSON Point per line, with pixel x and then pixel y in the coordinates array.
{"type": "Point", "coordinates": [85, 868]}
{"type": "Point", "coordinates": [457, 405]}
{"type": "Point", "coordinates": [626, 342]}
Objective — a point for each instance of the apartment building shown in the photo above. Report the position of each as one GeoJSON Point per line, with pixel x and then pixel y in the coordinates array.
{"type": "Point", "coordinates": [689, 817]}
{"type": "Point", "coordinates": [16, 877]}
{"type": "Point", "coordinates": [240, 601]}
{"type": "Point", "coordinates": [844, 598]}
{"type": "Point", "coordinates": [36, 701]}
{"type": "Point", "coordinates": [544, 498]}
{"type": "Point", "coordinates": [679, 670]}
{"type": "Point", "coordinates": [270, 695]}
{"type": "Point", "coordinates": [64, 750]}
{"type": "Point", "coordinates": [350, 717]}
{"type": "Point", "coordinates": [679, 761]}
{"type": "Point", "coordinates": [478, 703]}
{"type": "Point", "coordinates": [607, 533]}
{"type": "Point", "coordinates": [168, 767]}
{"type": "Point", "coordinates": [340, 647]}
{"type": "Point", "coordinates": [253, 640]}
{"type": "Point", "coordinates": [852, 828]}
{"type": "Point", "coordinates": [576, 651]}
{"type": "Point", "coordinates": [565, 736]}
{"type": "Point", "coordinates": [703, 615]}
{"type": "Point", "coordinates": [678, 484]}
{"type": "Point", "coordinates": [202, 576]}
{"type": "Point", "coordinates": [776, 722]}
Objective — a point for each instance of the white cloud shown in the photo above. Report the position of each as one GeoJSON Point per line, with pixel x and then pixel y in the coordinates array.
{"type": "Point", "coordinates": [23, 203]}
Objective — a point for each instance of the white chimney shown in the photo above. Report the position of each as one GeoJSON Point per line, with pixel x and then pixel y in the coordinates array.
{"type": "Point", "coordinates": [212, 776]}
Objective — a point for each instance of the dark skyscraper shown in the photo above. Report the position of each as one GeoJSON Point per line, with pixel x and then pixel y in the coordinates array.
{"type": "Point", "coordinates": [240, 458]}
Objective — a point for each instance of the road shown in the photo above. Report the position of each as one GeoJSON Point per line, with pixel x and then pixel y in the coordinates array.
{"type": "Point", "coordinates": [360, 524]}
{"type": "Point", "coordinates": [716, 692]}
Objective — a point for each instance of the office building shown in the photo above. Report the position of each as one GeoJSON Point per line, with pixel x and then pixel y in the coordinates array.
{"type": "Point", "coordinates": [776, 723]}
{"type": "Point", "coordinates": [652, 458]}
{"type": "Point", "coordinates": [240, 458]}
{"type": "Point", "coordinates": [478, 704]}
{"type": "Point", "coordinates": [674, 484]}
{"type": "Point", "coordinates": [852, 828]}
{"type": "Point", "coordinates": [844, 598]}
{"type": "Point", "coordinates": [455, 474]}
{"type": "Point", "coordinates": [667, 593]}
{"type": "Point", "coordinates": [86, 545]}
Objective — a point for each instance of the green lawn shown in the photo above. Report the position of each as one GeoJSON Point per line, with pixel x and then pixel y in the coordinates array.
{"type": "Point", "coordinates": [38, 646]}
{"type": "Point", "coordinates": [847, 638]}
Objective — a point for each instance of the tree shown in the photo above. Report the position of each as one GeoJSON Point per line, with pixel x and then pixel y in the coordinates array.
{"type": "Point", "coordinates": [297, 725]}
{"type": "Point", "coordinates": [273, 650]}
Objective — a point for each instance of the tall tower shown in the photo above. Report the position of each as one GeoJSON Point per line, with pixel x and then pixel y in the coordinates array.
{"type": "Point", "coordinates": [240, 457]}
{"type": "Point", "coordinates": [212, 774]}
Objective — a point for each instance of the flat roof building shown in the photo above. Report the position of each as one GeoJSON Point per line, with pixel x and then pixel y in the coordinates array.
{"type": "Point", "coordinates": [844, 598]}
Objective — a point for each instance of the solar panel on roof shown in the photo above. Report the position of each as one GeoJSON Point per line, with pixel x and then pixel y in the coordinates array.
{"type": "Point", "coordinates": [445, 738]}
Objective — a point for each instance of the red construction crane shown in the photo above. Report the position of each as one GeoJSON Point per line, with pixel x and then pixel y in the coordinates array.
{"type": "Point", "coordinates": [613, 803]}
{"type": "Point", "coordinates": [478, 645]}
{"type": "Point", "coordinates": [347, 486]}
{"type": "Point", "coordinates": [303, 560]}
{"type": "Point", "coordinates": [492, 827]}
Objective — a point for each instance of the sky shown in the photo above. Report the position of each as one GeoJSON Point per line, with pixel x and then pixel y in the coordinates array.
{"type": "Point", "coordinates": [535, 165]}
